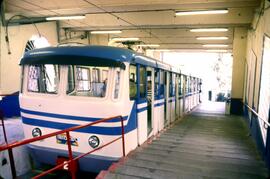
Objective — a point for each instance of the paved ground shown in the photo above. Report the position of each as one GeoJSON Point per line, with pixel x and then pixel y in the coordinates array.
{"type": "Point", "coordinates": [199, 146]}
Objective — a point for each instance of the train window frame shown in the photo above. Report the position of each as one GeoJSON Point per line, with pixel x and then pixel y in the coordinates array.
{"type": "Point", "coordinates": [57, 70]}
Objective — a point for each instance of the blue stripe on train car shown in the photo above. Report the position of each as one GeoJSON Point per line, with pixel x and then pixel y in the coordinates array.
{"type": "Point", "coordinates": [159, 104]}
{"type": "Point", "coordinates": [131, 125]}
{"type": "Point", "coordinates": [141, 109]}
{"type": "Point", "coordinates": [141, 101]}
{"type": "Point", "coordinates": [69, 117]}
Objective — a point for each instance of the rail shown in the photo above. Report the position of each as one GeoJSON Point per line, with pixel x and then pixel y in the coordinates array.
{"type": "Point", "coordinates": [259, 117]}
{"type": "Point", "coordinates": [71, 162]}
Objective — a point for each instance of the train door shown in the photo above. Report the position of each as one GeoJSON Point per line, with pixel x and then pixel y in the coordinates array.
{"type": "Point", "coordinates": [150, 99]}
{"type": "Point", "coordinates": [172, 97]}
{"type": "Point", "coordinates": [181, 96]}
{"type": "Point", "coordinates": [177, 100]}
{"type": "Point", "coordinates": [141, 99]}
{"type": "Point", "coordinates": [162, 99]}
{"type": "Point", "coordinates": [156, 103]}
{"type": "Point", "coordinates": [185, 91]}
{"type": "Point", "coordinates": [166, 99]}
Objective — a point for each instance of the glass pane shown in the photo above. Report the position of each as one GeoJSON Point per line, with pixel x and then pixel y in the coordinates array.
{"type": "Point", "coordinates": [117, 84]}
{"type": "Point", "coordinates": [132, 81]}
{"type": "Point", "coordinates": [83, 78]}
{"type": "Point", "coordinates": [156, 82]}
{"type": "Point", "coordinates": [180, 85]}
{"type": "Point", "coordinates": [71, 80]}
{"type": "Point", "coordinates": [162, 86]}
{"type": "Point", "coordinates": [43, 78]}
{"type": "Point", "coordinates": [87, 81]}
{"type": "Point", "coordinates": [173, 84]}
{"type": "Point", "coordinates": [142, 82]}
{"type": "Point", "coordinates": [33, 78]}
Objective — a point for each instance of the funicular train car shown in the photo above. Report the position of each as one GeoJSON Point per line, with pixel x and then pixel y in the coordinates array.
{"type": "Point", "coordinates": [69, 86]}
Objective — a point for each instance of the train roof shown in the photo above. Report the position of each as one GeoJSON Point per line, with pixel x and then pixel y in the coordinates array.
{"type": "Point", "coordinates": [89, 55]}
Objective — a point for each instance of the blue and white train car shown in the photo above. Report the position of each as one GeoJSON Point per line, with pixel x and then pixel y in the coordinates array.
{"type": "Point", "coordinates": [69, 86]}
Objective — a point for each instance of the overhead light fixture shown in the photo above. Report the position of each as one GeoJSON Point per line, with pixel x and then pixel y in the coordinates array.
{"type": "Point", "coordinates": [201, 12]}
{"type": "Point", "coordinates": [148, 45]}
{"type": "Point", "coordinates": [126, 39]}
{"type": "Point", "coordinates": [65, 18]}
{"type": "Point", "coordinates": [215, 45]}
{"type": "Point", "coordinates": [212, 38]}
{"type": "Point", "coordinates": [222, 51]}
{"type": "Point", "coordinates": [106, 32]}
{"type": "Point", "coordinates": [210, 30]}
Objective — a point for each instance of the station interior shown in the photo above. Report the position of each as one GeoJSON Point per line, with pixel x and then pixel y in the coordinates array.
{"type": "Point", "coordinates": [222, 45]}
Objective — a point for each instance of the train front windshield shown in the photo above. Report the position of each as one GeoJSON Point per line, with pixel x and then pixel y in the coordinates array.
{"type": "Point", "coordinates": [81, 80]}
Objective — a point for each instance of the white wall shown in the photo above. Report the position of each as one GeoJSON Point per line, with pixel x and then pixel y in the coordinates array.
{"type": "Point", "coordinates": [255, 49]}
{"type": "Point", "coordinates": [238, 68]}
{"type": "Point", "coordinates": [18, 36]}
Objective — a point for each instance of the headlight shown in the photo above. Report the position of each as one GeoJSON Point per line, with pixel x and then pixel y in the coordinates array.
{"type": "Point", "coordinates": [36, 132]}
{"type": "Point", "coordinates": [93, 141]}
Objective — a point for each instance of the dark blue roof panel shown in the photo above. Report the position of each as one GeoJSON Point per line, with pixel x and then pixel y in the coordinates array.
{"type": "Point", "coordinates": [88, 55]}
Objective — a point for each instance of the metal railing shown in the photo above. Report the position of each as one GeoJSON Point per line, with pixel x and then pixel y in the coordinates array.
{"type": "Point", "coordinates": [259, 117]}
{"type": "Point", "coordinates": [71, 163]}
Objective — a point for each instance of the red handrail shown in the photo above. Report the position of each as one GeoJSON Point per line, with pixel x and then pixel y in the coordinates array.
{"type": "Point", "coordinates": [71, 161]}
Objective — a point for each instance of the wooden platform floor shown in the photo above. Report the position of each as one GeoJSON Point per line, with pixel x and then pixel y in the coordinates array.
{"type": "Point", "coordinates": [198, 146]}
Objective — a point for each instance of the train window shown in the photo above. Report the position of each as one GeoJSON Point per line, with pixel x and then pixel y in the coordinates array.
{"type": "Point", "coordinates": [190, 85]}
{"type": "Point", "coordinates": [95, 75]}
{"type": "Point", "coordinates": [180, 85]}
{"type": "Point", "coordinates": [172, 84]}
{"type": "Point", "coordinates": [187, 85]}
{"type": "Point", "coordinates": [71, 80]}
{"type": "Point", "coordinates": [132, 81]}
{"type": "Point", "coordinates": [156, 82]}
{"type": "Point", "coordinates": [104, 75]}
{"type": "Point", "coordinates": [142, 82]}
{"type": "Point", "coordinates": [22, 77]}
{"type": "Point", "coordinates": [43, 79]}
{"type": "Point", "coordinates": [83, 78]}
{"type": "Point", "coordinates": [86, 81]}
{"type": "Point", "coordinates": [117, 84]}
{"type": "Point", "coordinates": [162, 84]}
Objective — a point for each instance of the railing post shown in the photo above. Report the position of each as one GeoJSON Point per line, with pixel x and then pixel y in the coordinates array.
{"type": "Point", "coordinates": [10, 153]}
{"type": "Point", "coordinates": [71, 165]}
{"type": "Point", "coordinates": [123, 136]}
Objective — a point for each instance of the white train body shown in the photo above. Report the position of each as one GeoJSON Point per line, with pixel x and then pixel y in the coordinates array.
{"type": "Point", "coordinates": [64, 87]}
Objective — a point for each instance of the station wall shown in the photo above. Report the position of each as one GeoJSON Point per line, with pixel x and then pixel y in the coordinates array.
{"type": "Point", "coordinates": [18, 37]}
